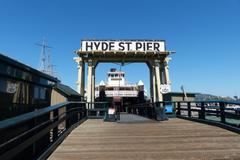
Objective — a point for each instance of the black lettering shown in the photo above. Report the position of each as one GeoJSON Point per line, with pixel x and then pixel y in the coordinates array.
{"type": "Point", "coordinates": [88, 46]}
{"type": "Point", "coordinates": [156, 47]}
{"type": "Point", "coordinates": [138, 45]}
{"type": "Point", "coordinates": [104, 46]}
{"type": "Point", "coordinates": [111, 46]}
{"type": "Point", "coordinates": [97, 44]}
{"type": "Point", "coordinates": [121, 46]}
{"type": "Point", "coordinates": [128, 45]}
{"type": "Point", "coordinates": [149, 46]}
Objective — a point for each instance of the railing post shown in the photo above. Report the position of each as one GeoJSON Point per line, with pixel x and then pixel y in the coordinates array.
{"type": "Point", "coordinates": [202, 112]}
{"type": "Point", "coordinates": [174, 107]}
{"type": "Point", "coordinates": [84, 110]}
{"type": "Point", "coordinates": [222, 112]}
{"type": "Point", "coordinates": [88, 108]}
{"type": "Point", "coordinates": [68, 116]}
{"type": "Point", "coordinates": [134, 110]}
{"type": "Point", "coordinates": [156, 111]}
{"type": "Point", "coordinates": [189, 109]}
{"type": "Point", "coordinates": [178, 109]}
{"type": "Point", "coordinates": [80, 111]}
{"type": "Point", "coordinates": [55, 130]}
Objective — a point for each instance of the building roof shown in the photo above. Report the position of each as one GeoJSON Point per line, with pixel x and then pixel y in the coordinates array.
{"type": "Point", "coordinates": [7, 60]}
{"type": "Point", "coordinates": [180, 93]}
{"type": "Point", "coordinates": [140, 83]}
{"type": "Point", "coordinates": [66, 90]}
{"type": "Point", "coordinates": [102, 83]}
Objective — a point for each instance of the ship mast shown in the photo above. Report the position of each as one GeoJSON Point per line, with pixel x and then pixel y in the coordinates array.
{"type": "Point", "coordinates": [45, 65]}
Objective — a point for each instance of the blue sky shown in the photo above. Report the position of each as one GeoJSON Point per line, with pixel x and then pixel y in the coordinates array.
{"type": "Point", "coordinates": [204, 33]}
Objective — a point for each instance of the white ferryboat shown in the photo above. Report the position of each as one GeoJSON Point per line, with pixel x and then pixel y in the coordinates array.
{"type": "Point", "coordinates": [116, 87]}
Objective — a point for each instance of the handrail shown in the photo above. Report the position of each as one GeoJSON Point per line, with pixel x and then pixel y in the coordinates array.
{"type": "Point", "coordinates": [27, 116]}
{"type": "Point", "coordinates": [213, 112]}
{"type": "Point", "coordinates": [39, 129]}
{"type": "Point", "coordinates": [154, 111]}
{"type": "Point", "coordinates": [203, 109]}
{"type": "Point", "coordinates": [208, 101]}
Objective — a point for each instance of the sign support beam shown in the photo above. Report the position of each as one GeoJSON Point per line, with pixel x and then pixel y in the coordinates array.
{"type": "Point", "coordinates": [152, 52]}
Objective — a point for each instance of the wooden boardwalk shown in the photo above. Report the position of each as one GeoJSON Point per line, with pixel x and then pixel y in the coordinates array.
{"type": "Point", "coordinates": [172, 139]}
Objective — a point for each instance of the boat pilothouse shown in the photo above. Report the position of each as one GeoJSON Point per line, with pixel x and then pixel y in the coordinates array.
{"type": "Point", "coordinates": [116, 87]}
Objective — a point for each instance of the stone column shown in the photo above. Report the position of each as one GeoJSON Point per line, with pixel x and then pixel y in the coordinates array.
{"type": "Point", "coordinates": [158, 80]}
{"type": "Point", "coordinates": [93, 83]}
{"type": "Point", "coordinates": [151, 80]}
{"type": "Point", "coordinates": [81, 75]}
{"type": "Point", "coordinates": [166, 71]}
{"type": "Point", "coordinates": [154, 84]}
{"type": "Point", "coordinates": [89, 82]}
{"type": "Point", "coordinates": [162, 75]}
{"type": "Point", "coordinates": [83, 79]}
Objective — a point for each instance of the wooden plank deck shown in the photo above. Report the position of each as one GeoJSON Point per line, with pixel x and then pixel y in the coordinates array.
{"type": "Point", "coordinates": [173, 139]}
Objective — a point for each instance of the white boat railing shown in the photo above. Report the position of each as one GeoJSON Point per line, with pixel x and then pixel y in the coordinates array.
{"type": "Point", "coordinates": [118, 93]}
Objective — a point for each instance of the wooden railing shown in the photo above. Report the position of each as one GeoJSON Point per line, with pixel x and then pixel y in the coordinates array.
{"type": "Point", "coordinates": [36, 134]}
{"type": "Point", "coordinates": [221, 113]}
{"type": "Point", "coordinates": [150, 110]}
{"type": "Point", "coordinates": [97, 110]}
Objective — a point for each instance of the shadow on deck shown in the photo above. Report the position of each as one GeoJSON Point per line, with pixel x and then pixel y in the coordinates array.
{"type": "Point", "coordinates": [173, 139]}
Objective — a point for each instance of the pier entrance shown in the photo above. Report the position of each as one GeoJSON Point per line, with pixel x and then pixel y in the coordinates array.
{"type": "Point", "coordinates": [151, 52]}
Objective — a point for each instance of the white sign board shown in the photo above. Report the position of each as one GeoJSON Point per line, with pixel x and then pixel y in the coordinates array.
{"type": "Point", "coordinates": [165, 88]}
{"type": "Point", "coordinates": [11, 87]}
{"type": "Point", "coordinates": [111, 111]}
{"type": "Point", "coordinates": [125, 46]}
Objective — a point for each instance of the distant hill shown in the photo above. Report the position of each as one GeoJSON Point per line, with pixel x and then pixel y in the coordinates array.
{"type": "Point", "coordinates": [209, 97]}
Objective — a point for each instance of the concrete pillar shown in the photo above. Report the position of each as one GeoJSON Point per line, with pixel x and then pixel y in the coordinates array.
{"type": "Point", "coordinates": [83, 79]}
{"type": "Point", "coordinates": [81, 75]}
{"type": "Point", "coordinates": [162, 75]}
{"type": "Point", "coordinates": [93, 83]}
{"type": "Point", "coordinates": [158, 81]}
{"type": "Point", "coordinates": [166, 71]}
{"type": "Point", "coordinates": [151, 81]}
{"type": "Point", "coordinates": [89, 82]}
{"type": "Point", "coordinates": [154, 84]}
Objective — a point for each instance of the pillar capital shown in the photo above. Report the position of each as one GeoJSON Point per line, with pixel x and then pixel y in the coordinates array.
{"type": "Point", "coordinates": [166, 70]}
{"type": "Point", "coordinates": [81, 74]}
{"type": "Point", "coordinates": [78, 59]}
{"type": "Point", "coordinates": [154, 63]}
{"type": "Point", "coordinates": [166, 60]}
{"type": "Point", "coordinates": [92, 63]}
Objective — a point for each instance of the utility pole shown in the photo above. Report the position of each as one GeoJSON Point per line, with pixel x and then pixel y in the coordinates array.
{"type": "Point", "coordinates": [184, 93]}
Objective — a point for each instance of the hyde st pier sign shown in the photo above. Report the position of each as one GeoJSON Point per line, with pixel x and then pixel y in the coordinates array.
{"type": "Point", "coordinates": [151, 52]}
{"type": "Point", "coordinates": [123, 45]}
